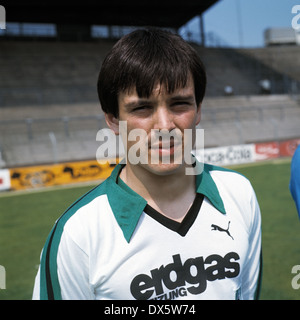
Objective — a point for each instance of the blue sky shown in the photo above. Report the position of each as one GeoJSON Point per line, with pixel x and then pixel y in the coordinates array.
{"type": "Point", "coordinates": [254, 17]}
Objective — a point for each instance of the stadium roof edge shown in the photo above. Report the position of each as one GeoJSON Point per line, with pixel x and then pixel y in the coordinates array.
{"type": "Point", "coordinates": [171, 14]}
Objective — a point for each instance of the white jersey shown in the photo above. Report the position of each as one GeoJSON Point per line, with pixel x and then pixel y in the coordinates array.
{"type": "Point", "coordinates": [111, 245]}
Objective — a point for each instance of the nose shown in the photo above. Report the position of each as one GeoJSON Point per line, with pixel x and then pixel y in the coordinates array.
{"type": "Point", "coordinates": [163, 119]}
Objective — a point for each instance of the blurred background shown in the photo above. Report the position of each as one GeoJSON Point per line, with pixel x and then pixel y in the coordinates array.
{"type": "Point", "coordinates": [50, 56]}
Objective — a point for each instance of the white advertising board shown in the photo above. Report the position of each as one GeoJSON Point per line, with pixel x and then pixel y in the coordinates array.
{"type": "Point", "coordinates": [229, 155]}
{"type": "Point", "coordinates": [4, 179]}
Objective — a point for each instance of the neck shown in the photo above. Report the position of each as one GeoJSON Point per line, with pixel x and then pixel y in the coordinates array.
{"type": "Point", "coordinates": [165, 193]}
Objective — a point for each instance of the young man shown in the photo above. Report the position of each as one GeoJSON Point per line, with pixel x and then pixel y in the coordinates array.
{"type": "Point", "coordinates": [152, 231]}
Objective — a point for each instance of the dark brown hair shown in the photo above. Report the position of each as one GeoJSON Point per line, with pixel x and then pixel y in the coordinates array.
{"type": "Point", "coordinates": [143, 58]}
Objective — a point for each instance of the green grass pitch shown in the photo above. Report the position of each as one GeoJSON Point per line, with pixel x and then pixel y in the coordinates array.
{"type": "Point", "coordinates": [27, 218]}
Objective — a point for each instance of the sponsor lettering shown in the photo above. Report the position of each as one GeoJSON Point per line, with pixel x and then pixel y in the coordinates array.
{"type": "Point", "coordinates": [229, 155]}
{"type": "Point", "coordinates": [181, 279]}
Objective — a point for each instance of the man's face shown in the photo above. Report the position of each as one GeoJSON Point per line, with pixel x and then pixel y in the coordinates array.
{"type": "Point", "coordinates": [162, 114]}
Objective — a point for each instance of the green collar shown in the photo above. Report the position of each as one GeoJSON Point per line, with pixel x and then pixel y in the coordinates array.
{"type": "Point", "coordinates": [128, 206]}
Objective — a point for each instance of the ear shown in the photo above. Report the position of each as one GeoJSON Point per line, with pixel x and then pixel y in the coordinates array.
{"type": "Point", "coordinates": [112, 122]}
{"type": "Point", "coordinates": [198, 114]}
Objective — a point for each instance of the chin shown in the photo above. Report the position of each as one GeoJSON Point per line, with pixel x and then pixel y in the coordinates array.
{"type": "Point", "coordinates": [162, 169]}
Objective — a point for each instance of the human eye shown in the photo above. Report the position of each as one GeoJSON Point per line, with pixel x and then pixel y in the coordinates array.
{"type": "Point", "coordinates": [142, 110]}
{"type": "Point", "coordinates": [181, 103]}
{"type": "Point", "coordinates": [181, 106]}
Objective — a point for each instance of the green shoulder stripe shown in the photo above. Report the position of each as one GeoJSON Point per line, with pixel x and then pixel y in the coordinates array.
{"type": "Point", "coordinates": [49, 284]}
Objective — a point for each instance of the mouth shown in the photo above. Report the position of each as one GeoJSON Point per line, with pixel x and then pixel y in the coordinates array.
{"type": "Point", "coordinates": [165, 149]}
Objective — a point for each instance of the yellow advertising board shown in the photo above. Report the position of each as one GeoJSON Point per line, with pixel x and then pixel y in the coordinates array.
{"type": "Point", "coordinates": [59, 174]}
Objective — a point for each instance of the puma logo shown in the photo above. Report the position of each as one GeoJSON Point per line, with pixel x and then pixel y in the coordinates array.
{"type": "Point", "coordinates": [217, 228]}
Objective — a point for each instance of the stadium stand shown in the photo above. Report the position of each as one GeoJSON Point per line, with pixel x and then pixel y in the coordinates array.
{"type": "Point", "coordinates": [283, 59]}
{"type": "Point", "coordinates": [247, 119]}
{"type": "Point", "coordinates": [42, 73]}
{"type": "Point", "coordinates": [50, 87]}
{"type": "Point", "coordinates": [38, 73]}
